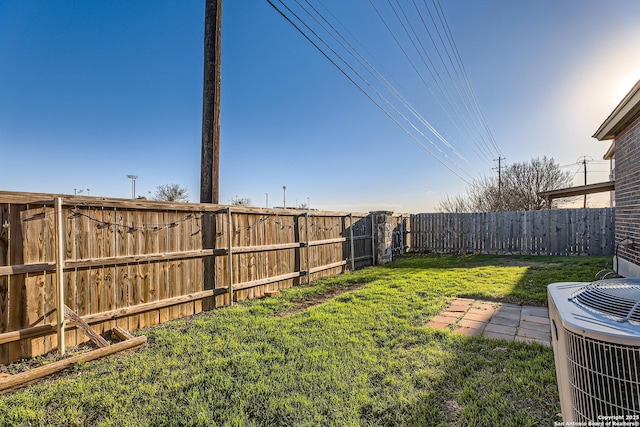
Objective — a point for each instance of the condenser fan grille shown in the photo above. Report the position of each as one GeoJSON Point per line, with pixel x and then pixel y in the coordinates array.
{"type": "Point", "coordinates": [618, 299]}
{"type": "Point", "coordinates": [604, 378]}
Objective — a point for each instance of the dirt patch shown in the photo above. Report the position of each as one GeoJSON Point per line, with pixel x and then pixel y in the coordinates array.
{"type": "Point", "coordinates": [313, 300]}
{"type": "Point", "coordinates": [514, 262]}
{"type": "Point", "coordinates": [452, 409]}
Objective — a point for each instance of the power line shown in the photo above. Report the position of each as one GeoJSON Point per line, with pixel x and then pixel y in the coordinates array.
{"type": "Point", "coordinates": [431, 68]}
{"type": "Point", "coordinates": [351, 79]}
{"type": "Point", "coordinates": [433, 71]}
{"type": "Point", "coordinates": [338, 54]}
{"type": "Point", "coordinates": [465, 74]}
{"type": "Point", "coordinates": [482, 146]}
{"type": "Point", "coordinates": [367, 64]}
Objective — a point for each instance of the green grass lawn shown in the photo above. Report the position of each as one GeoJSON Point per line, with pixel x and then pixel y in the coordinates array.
{"type": "Point", "coordinates": [363, 358]}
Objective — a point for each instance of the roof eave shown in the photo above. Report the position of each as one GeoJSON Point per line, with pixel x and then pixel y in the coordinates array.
{"type": "Point", "coordinates": [628, 108]}
{"type": "Point", "coordinates": [611, 152]}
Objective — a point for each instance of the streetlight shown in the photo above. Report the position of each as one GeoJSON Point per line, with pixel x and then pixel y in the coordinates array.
{"type": "Point", "coordinates": [267, 194]}
{"type": "Point", "coordinates": [284, 196]}
{"type": "Point", "coordinates": [133, 185]}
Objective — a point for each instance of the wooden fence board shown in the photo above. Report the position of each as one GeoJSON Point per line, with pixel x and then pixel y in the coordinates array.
{"type": "Point", "coordinates": [110, 276]}
{"type": "Point", "coordinates": [157, 276]}
{"type": "Point", "coordinates": [32, 219]}
{"type": "Point", "coordinates": [131, 265]}
{"type": "Point", "coordinates": [165, 273]}
{"type": "Point", "coordinates": [221, 278]}
{"type": "Point", "coordinates": [558, 232]}
{"type": "Point", "coordinates": [17, 283]}
{"type": "Point", "coordinates": [119, 273]}
{"type": "Point", "coordinates": [50, 280]}
{"type": "Point", "coordinates": [173, 285]}
{"type": "Point", "coordinates": [188, 266]}
{"type": "Point", "coordinates": [137, 272]}
{"type": "Point", "coordinates": [272, 234]}
{"type": "Point", "coordinates": [4, 280]}
{"type": "Point", "coordinates": [70, 277]}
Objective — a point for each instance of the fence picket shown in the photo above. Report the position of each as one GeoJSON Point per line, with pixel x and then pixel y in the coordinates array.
{"type": "Point", "coordinates": [558, 232]}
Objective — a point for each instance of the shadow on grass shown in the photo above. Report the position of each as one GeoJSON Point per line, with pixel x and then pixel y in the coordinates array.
{"type": "Point", "coordinates": [365, 358]}
{"type": "Point", "coordinates": [487, 382]}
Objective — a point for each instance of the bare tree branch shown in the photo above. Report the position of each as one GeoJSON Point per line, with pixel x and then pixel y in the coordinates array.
{"type": "Point", "coordinates": [520, 183]}
{"type": "Point", "coordinates": [171, 193]}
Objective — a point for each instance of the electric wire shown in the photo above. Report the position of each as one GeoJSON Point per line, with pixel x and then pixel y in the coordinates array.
{"type": "Point", "coordinates": [326, 55]}
{"type": "Point", "coordinates": [390, 86]}
{"type": "Point", "coordinates": [476, 137]}
{"type": "Point", "coordinates": [482, 149]}
{"type": "Point", "coordinates": [356, 77]}
{"type": "Point", "coordinates": [412, 35]}
{"type": "Point", "coordinates": [368, 84]}
{"type": "Point", "coordinates": [466, 79]}
{"type": "Point", "coordinates": [413, 65]}
{"type": "Point", "coordinates": [363, 61]}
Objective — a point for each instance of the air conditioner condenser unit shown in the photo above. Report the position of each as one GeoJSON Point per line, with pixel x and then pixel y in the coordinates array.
{"type": "Point", "coordinates": [595, 329]}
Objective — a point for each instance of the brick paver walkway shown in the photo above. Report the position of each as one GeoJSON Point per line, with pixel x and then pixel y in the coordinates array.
{"type": "Point", "coordinates": [495, 320]}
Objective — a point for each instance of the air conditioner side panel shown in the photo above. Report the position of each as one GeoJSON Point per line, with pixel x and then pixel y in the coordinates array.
{"type": "Point", "coordinates": [558, 342]}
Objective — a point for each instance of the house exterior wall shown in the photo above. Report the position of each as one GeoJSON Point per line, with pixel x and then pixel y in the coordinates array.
{"type": "Point", "coordinates": [627, 198]}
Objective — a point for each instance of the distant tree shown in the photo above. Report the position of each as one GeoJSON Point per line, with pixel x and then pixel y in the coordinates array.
{"type": "Point", "coordinates": [302, 206]}
{"type": "Point", "coordinates": [526, 180]}
{"type": "Point", "coordinates": [454, 204]}
{"type": "Point", "coordinates": [171, 193]}
{"type": "Point", "coordinates": [515, 190]}
{"type": "Point", "coordinates": [241, 201]}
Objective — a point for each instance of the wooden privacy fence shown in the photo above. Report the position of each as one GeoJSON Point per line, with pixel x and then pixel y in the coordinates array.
{"type": "Point", "coordinates": [545, 232]}
{"type": "Point", "coordinates": [133, 264]}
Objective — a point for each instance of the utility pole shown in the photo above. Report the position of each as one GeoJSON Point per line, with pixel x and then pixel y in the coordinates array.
{"type": "Point", "coordinates": [584, 164]}
{"type": "Point", "coordinates": [499, 160]}
{"type": "Point", "coordinates": [210, 162]}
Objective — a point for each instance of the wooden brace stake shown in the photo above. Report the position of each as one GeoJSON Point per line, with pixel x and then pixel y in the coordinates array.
{"type": "Point", "coordinates": [12, 382]}
{"type": "Point", "coordinates": [88, 331]}
{"type": "Point", "coordinates": [121, 333]}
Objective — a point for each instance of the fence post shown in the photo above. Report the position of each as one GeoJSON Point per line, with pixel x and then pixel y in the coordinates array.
{"type": "Point", "coordinates": [230, 255]}
{"type": "Point", "coordinates": [351, 244]}
{"type": "Point", "coordinates": [60, 323]}
{"type": "Point", "coordinates": [373, 240]}
{"type": "Point", "coordinates": [306, 223]}
{"type": "Point", "coordinates": [383, 232]}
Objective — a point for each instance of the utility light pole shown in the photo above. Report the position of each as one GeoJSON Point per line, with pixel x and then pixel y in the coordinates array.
{"type": "Point", "coordinates": [284, 196]}
{"type": "Point", "coordinates": [133, 185]}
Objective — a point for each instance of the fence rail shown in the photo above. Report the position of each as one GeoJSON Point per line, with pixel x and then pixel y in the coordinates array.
{"type": "Point", "coordinates": [545, 232]}
{"type": "Point", "coordinates": [134, 264]}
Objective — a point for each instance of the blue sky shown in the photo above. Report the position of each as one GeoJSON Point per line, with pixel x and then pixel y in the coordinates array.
{"type": "Point", "coordinates": [92, 91]}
